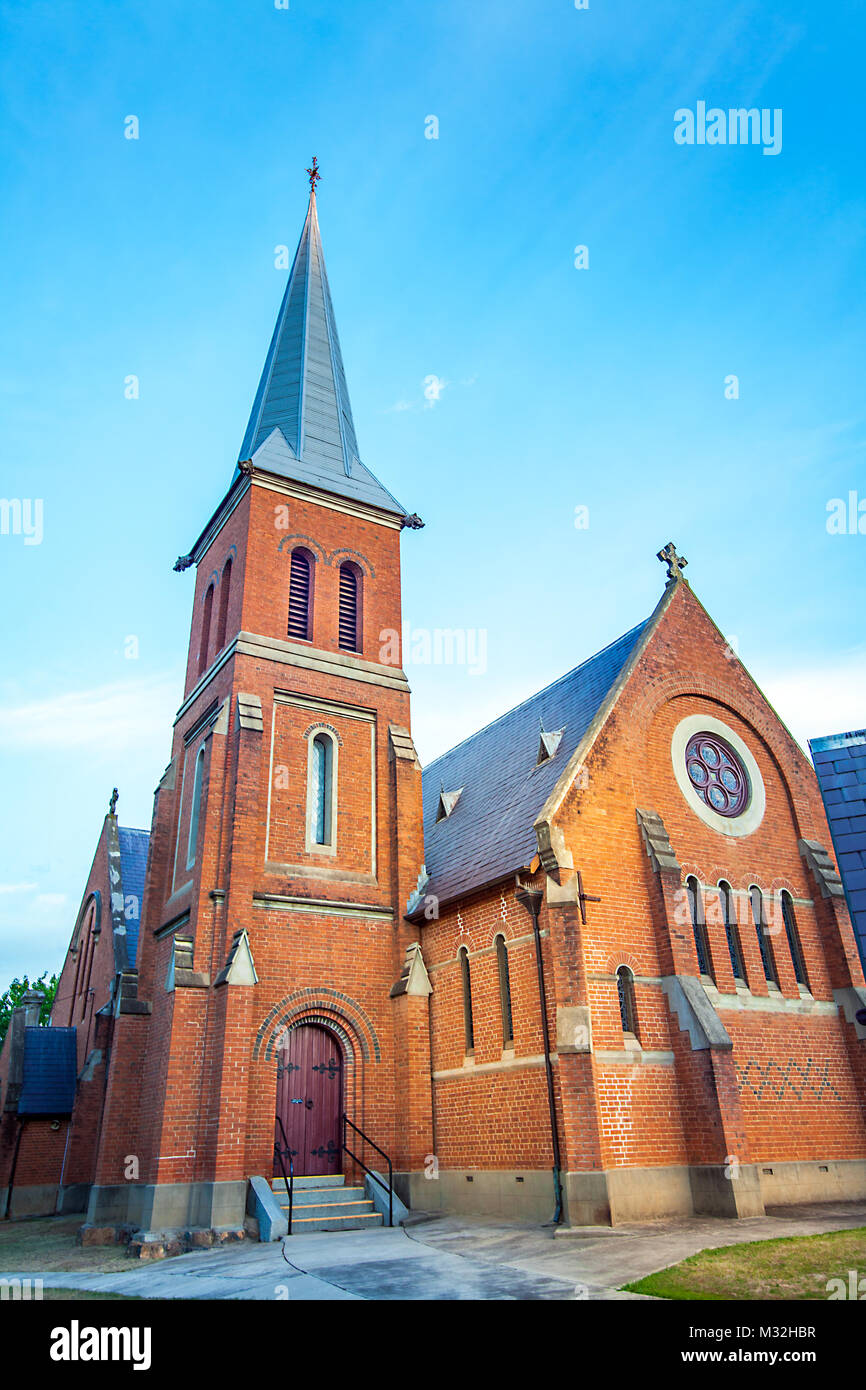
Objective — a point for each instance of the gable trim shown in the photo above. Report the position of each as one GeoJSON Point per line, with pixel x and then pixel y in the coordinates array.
{"type": "Point", "coordinates": [542, 827]}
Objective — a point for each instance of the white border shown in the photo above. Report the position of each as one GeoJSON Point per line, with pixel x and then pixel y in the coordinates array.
{"type": "Point", "coordinates": [734, 826]}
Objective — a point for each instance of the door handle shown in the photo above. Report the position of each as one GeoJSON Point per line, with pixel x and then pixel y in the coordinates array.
{"type": "Point", "coordinates": [309, 1104]}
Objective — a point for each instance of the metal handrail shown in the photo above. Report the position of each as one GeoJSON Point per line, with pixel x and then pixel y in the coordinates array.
{"type": "Point", "coordinates": [288, 1178]}
{"type": "Point", "coordinates": [361, 1164]}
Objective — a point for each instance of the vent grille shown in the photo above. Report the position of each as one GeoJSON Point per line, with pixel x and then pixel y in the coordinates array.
{"type": "Point", "coordinates": [299, 597]}
{"type": "Point", "coordinates": [348, 609]}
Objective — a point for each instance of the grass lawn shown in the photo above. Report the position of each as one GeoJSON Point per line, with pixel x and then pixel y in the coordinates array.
{"type": "Point", "coordinates": [47, 1243]}
{"type": "Point", "coordinates": [795, 1268]}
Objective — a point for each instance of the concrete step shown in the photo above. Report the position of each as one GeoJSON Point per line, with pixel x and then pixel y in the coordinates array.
{"type": "Point", "coordinates": [303, 1225]}
{"type": "Point", "coordinates": [324, 1208]}
{"type": "Point", "coordinates": [314, 1196]}
{"type": "Point", "coordinates": [329, 1193]}
{"type": "Point", "coordinates": [319, 1180]}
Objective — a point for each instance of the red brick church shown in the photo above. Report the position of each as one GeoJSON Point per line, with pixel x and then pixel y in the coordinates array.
{"type": "Point", "coordinates": [594, 964]}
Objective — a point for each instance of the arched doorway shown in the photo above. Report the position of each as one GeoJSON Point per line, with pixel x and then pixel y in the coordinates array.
{"type": "Point", "coordinates": [310, 1100]}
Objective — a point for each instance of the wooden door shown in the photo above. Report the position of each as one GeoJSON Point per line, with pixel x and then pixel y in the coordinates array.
{"type": "Point", "coordinates": [310, 1100]}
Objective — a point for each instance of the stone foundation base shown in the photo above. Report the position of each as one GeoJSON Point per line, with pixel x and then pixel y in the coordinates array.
{"type": "Point", "coordinates": [45, 1199]}
{"type": "Point", "coordinates": [786, 1184]}
{"type": "Point", "coordinates": [171, 1206]}
{"type": "Point", "coordinates": [615, 1195]}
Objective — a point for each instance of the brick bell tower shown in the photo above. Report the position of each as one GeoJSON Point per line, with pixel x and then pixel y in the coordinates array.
{"type": "Point", "coordinates": [276, 972]}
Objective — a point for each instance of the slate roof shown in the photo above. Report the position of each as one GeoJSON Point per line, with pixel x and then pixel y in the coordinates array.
{"type": "Point", "coordinates": [489, 834]}
{"type": "Point", "coordinates": [840, 763]}
{"type": "Point", "coordinates": [50, 1067]}
{"type": "Point", "coordinates": [301, 424]}
{"type": "Point", "coordinates": [133, 861]}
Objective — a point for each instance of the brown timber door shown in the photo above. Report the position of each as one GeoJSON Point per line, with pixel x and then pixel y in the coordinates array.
{"type": "Point", "coordinates": [310, 1100]}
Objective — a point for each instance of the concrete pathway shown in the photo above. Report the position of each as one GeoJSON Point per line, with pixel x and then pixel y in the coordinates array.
{"type": "Point", "coordinates": [453, 1258]}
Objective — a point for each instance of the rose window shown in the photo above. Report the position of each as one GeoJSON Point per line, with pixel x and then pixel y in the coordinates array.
{"type": "Point", "coordinates": [717, 774]}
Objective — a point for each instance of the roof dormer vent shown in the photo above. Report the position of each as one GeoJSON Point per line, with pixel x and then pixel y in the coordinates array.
{"type": "Point", "coordinates": [548, 743]}
{"type": "Point", "coordinates": [447, 802]}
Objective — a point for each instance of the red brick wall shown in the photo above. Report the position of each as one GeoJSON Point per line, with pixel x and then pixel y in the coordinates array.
{"type": "Point", "coordinates": [668, 1112]}
{"type": "Point", "coordinates": [206, 1087]}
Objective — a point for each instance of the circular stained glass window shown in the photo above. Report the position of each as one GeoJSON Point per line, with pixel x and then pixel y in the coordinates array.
{"type": "Point", "coordinates": [717, 774]}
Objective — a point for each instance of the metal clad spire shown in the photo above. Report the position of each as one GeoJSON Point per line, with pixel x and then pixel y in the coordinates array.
{"type": "Point", "coordinates": [302, 393]}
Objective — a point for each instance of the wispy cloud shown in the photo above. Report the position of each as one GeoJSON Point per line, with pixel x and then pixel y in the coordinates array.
{"type": "Point", "coordinates": [110, 716]}
{"type": "Point", "coordinates": [18, 887]}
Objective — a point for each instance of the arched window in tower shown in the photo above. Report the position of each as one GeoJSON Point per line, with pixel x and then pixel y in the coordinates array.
{"type": "Point", "coordinates": [225, 589]}
{"type": "Point", "coordinates": [627, 1003]}
{"type": "Point", "coordinates": [794, 943]}
{"type": "Point", "coordinates": [466, 982]}
{"type": "Point", "coordinates": [195, 808]}
{"type": "Point", "coordinates": [207, 610]}
{"type": "Point", "coordinates": [301, 595]}
{"type": "Point", "coordinates": [504, 992]}
{"type": "Point", "coordinates": [322, 800]}
{"type": "Point", "coordinates": [350, 607]}
{"type": "Point", "coordinates": [699, 926]}
{"type": "Point", "coordinates": [760, 921]}
{"type": "Point", "coordinates": [732, 932]}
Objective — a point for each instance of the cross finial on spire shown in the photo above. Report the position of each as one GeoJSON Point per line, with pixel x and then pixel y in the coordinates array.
{"type": "Point", "coordinates": [314, 174]}
{"type": "Point", "coordinates": [675, 563]}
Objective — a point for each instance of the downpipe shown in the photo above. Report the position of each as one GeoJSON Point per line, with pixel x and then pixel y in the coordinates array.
{"type": "Point", "coordinates": [531, 899]}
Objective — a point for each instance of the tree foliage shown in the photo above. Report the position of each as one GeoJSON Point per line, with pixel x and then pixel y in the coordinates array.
{"type": "Point", "coordinates": [11, 998]}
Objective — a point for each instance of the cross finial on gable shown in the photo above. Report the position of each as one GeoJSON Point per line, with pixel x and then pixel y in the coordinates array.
{"type": "Point", "coordinates": [314, 174]}
{"type": "Point", "coordinates": [112, 805]}
{"type": "Point", "coordinates": [675, 563]}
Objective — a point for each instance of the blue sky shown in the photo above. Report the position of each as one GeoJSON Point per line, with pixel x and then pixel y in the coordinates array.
{"type": "Point", "coordinates": [601, 387]}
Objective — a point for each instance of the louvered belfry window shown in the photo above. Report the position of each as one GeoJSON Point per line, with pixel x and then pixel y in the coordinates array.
{"type": "Point", "coordinates": [349, 587]}
{"type": "Point", "coordinates": [299, 596]}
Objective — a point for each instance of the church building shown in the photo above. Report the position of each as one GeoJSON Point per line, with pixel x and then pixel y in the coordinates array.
{"type": "Point", "coordinates": [592, 965]}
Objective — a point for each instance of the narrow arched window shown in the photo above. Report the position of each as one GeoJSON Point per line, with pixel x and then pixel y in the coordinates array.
{"type": "Point", "coordinates": [350, 607]}
{"type": "Point", "coordinates": [86, 946]}
{"type": "Point", "coordinates": [627, 1005]}
{"type": "Point", "coordinates": [301, 596]}
{"type": "Point", "coordinates": [207, 609]}
{"type": "Point", "coordinates": [759, 918]}
{"type": "Point", "coordinates": [322, 790]}
{"type": "Point", "coordinates": [504, 992]}
{"type": "Point", "coordinates": [794, 943]}
{"type": "Point", "coordinates": [699, 926]}
{"type": "Point", "coordinates": [732, 932]}
{"type": "Point", "coordinates": [468, 1029]}
{"type": "Point", "coordinates": [195, 808]}
{"type": "Point", "coordinates": [225, 588]}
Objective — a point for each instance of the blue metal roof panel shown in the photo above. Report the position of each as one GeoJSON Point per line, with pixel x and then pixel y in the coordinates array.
{"type": "Point", "coordinates": [490, 831]}
{"type": "Point", "coordinates": [50, 1069]}
{"type": "Point", "coordinates": [840, 765]}
{"type": "Point", "coordinates": [133, 862]}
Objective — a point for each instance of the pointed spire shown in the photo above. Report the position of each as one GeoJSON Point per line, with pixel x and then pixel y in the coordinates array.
{"type": "Point", "coordinates": [301, 424]}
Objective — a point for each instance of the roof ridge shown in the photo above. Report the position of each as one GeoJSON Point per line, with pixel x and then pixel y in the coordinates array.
{"type": "Point", "coordinates": [543, 691]}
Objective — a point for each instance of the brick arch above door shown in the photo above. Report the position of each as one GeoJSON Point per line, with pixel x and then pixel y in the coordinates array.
{"type": "Point", "coordinates": [334, 1008]}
